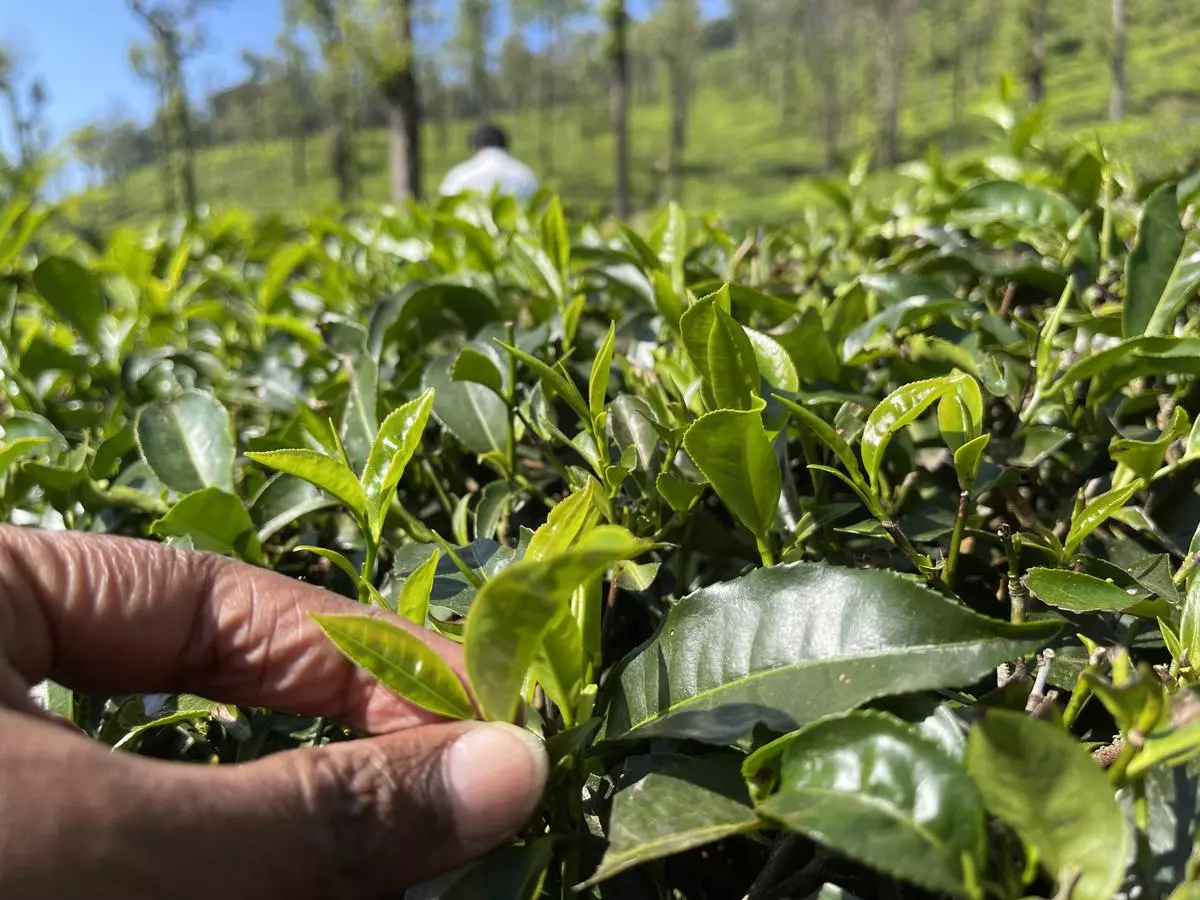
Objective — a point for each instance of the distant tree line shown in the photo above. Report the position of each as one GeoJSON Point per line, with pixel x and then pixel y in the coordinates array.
{"type": "Point", "coordinates": [342, 66]}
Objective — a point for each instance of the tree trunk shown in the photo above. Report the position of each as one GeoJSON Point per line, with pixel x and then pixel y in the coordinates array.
{"type": "Point", "coordinates": [480, 99]}
{"type": "Point", "coordinates": [618, 21]}
{"type": "Point", "coordinates": [166, 169]}
{"type": "Point", "coordinates": [678, 73]}
{"type": "Point", "coordinates": [1116, 105]}
{"type": "Point", "coordinates": [183, 127]}
{"type": "Point", "coordinates": [1037, 51]}
{"type": "Point", "coordinates": [892, 46]}
{"type": "Point", "coordinates": [960, 39]}
{"type": "Point", "coordinates": [404, 115]}
{"type": "Point", "coordinates": [546, 103]}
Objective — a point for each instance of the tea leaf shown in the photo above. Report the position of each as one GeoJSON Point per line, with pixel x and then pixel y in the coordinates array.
{"type": "Point", "coordinates": [784, 646]}
{"type": "Point", "coordinates": [1038, 780]}
{"type": "Point", "coordinates": [331, 475]}
{"type": "Point", "coordinates": [401, 661]}
{"type": "Point", "coordinates": [397, 441]}
{"type": "Point", "coordinates": [188, 442]}
{"type": "Point", "coordinates": [733, 451]}
{"type": "Point", "coordinates": [879, 791]}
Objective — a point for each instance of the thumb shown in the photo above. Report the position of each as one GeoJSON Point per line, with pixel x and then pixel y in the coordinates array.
{"type": "Point", "coordinates": [367, 818]}
{"type": "Point", "coordinates": [361, 819]}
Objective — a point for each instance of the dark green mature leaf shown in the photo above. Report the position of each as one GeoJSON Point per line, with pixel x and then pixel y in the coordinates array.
{"type": "Point", "coordinates": [360, 413]}
{"type": "Point", "coordinates": [72, 293]}
{"type": "Point", "coordinates": [1037, 779]}
{"type": "Point", "coordinates": [188, 442]}
{"type": "Point", "coordinates": [331, 475]}
{"type": "Point", "coordinates": [1077, 591]}
{"type": "Point", "coordinates": [1181, 287]}
{"type": "Point", "coordinates": [513, 610]}
{"type": "Point", "coordinates": [877, 790]}
{"type": "Point", "coordinates": [632, 422]}
{"type": "Point", "coordinates": [401, 661]}
{"type": "Point", "coordinates": [283, 501]}
{"type": "Point", "coordinates": [398, 439]}
{"type": "Point", "coordinates": [471, 412]}
{"type": "Point", "coordinates": [789, 644]}
{"type": "Point", "coordinates": [1152, 261]}
{"type": "Point", "coordinates": [732, 450]}
{"type": "Point", "coordinates": [669, 804]}
{"type": "Point", "coordinates": [216, 521]}
{"type": "Point", "coordinates": [474, 365]}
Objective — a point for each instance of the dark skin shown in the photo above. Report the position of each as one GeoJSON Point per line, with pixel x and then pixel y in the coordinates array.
{"type": "Point", "coordinates": [361, 819]}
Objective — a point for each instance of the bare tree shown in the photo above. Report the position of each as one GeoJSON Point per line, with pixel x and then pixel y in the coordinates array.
{"type": "Point", "coordinates": [175, 31]}
{"type": "Point", "coordinates": [327, 18]}
{"type": "Point", "coordinates": [1116, 103]}
{"type": "Point", "coordinates": [618, 55]}
{"type": "Point", "coordinates": [26, 115]}
{"type": "Point", "coordinates": [892, 47]}
{"type": "Point", "coordinates": [1036, 74]}
{"type": "Point", "coordinates": [825, 39]}
{"type": "Point", "coordinates": [677, 27]}
{"type": "Point", "coordinates": [381, 34]}
{"type": "Point", "coordinates": [147, 64]}
{"type": "Point", "coordinates": [474, 34]}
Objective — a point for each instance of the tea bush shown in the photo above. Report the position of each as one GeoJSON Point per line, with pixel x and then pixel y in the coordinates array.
{"type": "Point", "coordinates": [855, 557]}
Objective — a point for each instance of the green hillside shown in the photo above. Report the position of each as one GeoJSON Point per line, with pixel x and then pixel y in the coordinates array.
{"type": "Point", "coordinates": [740, 159]}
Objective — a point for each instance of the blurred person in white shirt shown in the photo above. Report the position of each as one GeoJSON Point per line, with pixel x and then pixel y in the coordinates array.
{"type": "Point", "coordinates": [491, 168]}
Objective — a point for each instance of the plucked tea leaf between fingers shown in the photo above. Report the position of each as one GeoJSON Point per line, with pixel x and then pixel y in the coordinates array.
{"type": "Point", "coordinates": [1037, 779]}
{"type": "Point", "coordinates": [1152, 262]}
{"type": "Point", "coordinates": [188, 442]}
{"type": "Point", "coordinates": [731, 448]}
{"type": "Point", "coordinates": [877, 790]}
{"type": "Point", "coordinates": [792, 643]}
{"type": "Point", "coordinates": [331, 475]}
{"type": "Point", "coordinates": [398, 439]}
{"type": "Point", "coordinates": [670, 804]}
{"type": "Point", "coordinates": [513, 610]}
{"type": "Point", "coordinates": [1077, 591]}
{"type": "Point", "coordinates": [401, 661]}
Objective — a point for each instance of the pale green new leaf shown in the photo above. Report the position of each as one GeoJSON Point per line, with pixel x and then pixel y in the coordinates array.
{"type": "Point", "coordinates": [1095, 514]}
{"type": "Point", "coordinates": [732, 450]}
{"type": "Point", "coordinates": [512, 611]}
{"type": "Point", "coordinates": [398, 439]}
{"type": "Point", "coordinates": [401, 661]}
{"type": "Point", "coordinates": [331, 475]}
{"type": "Point", "coordinates": [598, 382]}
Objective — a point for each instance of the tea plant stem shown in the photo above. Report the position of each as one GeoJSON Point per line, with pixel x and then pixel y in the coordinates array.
{"type": "Point", "coordinates": [1186, 570]}
{"type": "Point", "coordinates": [956, 538]}
{"type": "Point", "coordinates": [765, 551]}
{"type": "Point", "coordinates": [443, 499]}
{"type": "Point", "coordinates": [900, 539]}
{"type": "Point", "coordinates": [1082, 691]}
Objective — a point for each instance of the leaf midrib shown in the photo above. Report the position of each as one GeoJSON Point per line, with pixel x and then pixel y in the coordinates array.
{"type": "Point", "coordinates": [764, 673]}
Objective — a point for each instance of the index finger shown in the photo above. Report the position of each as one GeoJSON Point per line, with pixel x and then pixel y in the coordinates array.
{"type": "Point", "coordinates": [108, 614]}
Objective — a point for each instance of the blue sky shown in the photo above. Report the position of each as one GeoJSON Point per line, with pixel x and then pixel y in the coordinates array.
{"type": "Point", "coordinates": [80, 49]}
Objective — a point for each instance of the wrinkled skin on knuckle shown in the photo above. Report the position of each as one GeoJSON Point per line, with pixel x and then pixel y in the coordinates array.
{"type": "Point", "coordinates": [376, 814]}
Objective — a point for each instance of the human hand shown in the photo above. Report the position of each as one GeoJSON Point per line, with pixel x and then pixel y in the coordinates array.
{"type": "Point", "coordinates": [360, 819]}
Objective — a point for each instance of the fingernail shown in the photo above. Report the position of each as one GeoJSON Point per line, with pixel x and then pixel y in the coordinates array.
{"type": "Point", "coordinates": [496, 774]}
